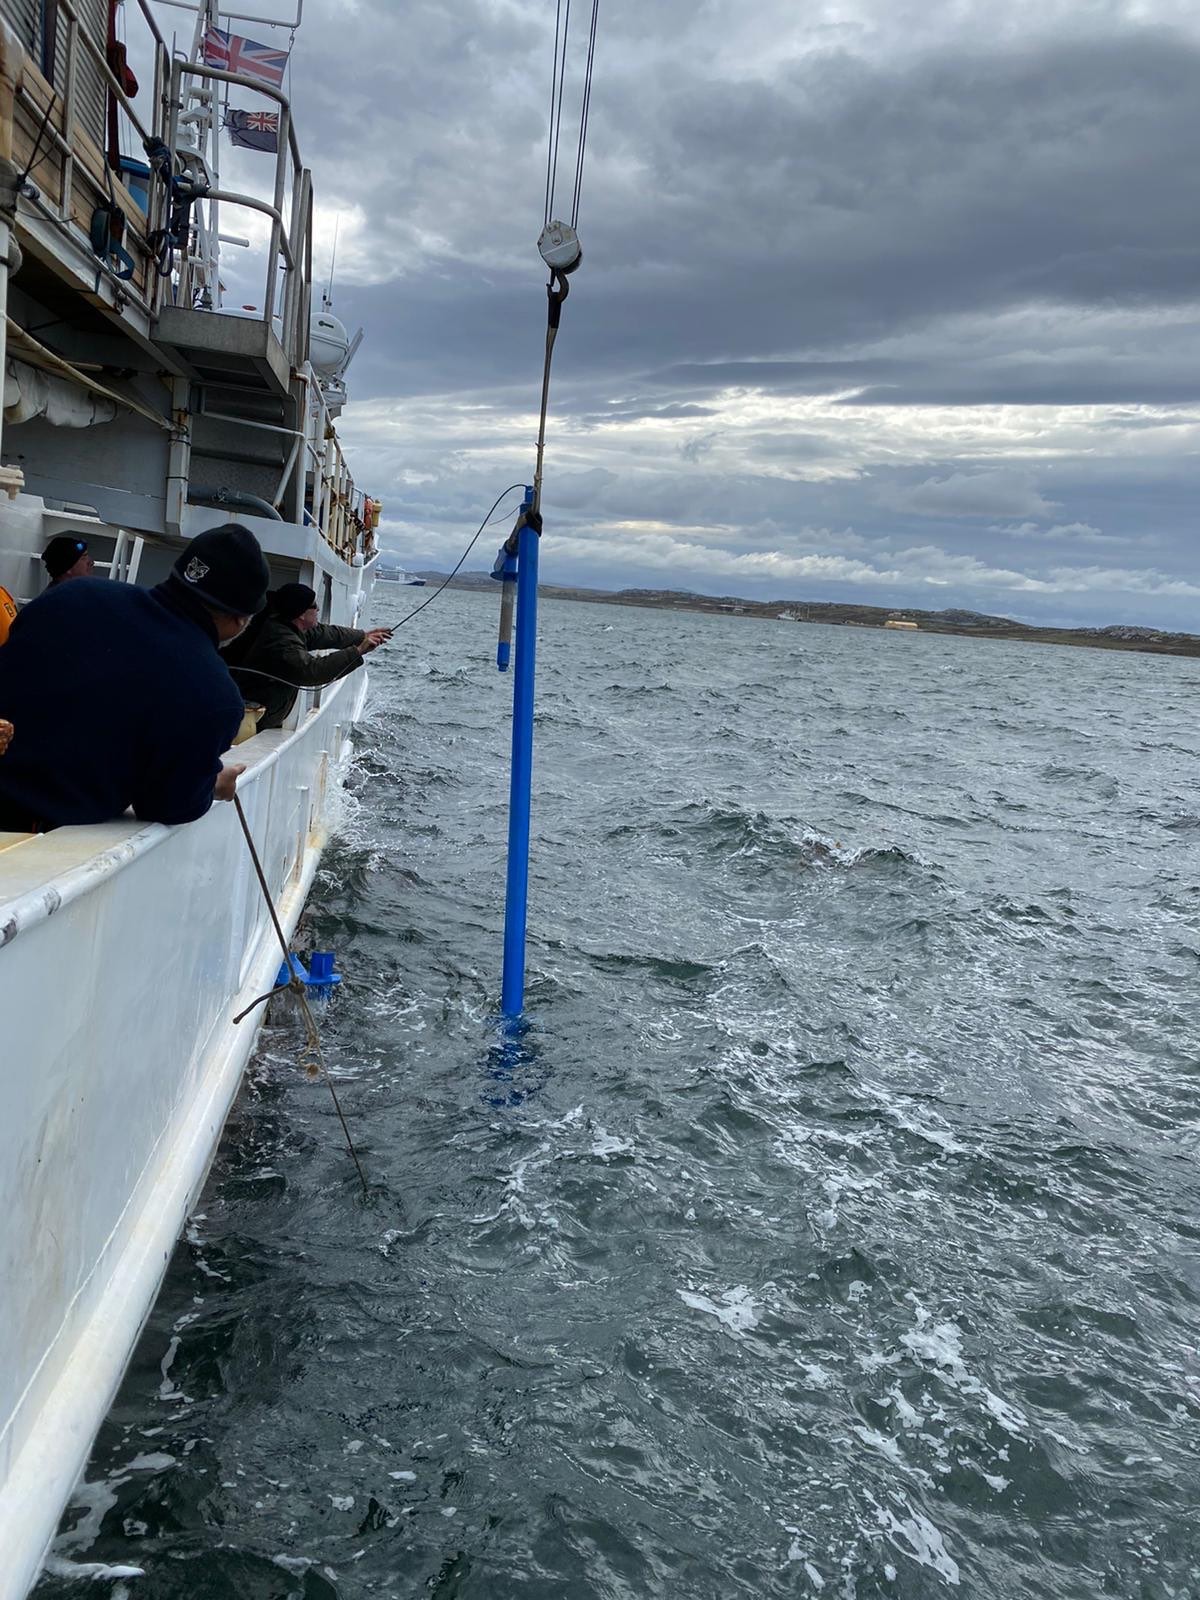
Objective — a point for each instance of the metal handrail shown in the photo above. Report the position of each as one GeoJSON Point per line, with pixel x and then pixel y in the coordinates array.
{"type": "Point", "coordinates": [148, 15]}
{"type": "Point", "coordinates": [200, 69]}
{"type": "Point", "coordinates": [230, 197]}
{"type": "Point", "coordinates": [62, 143]}
{"type": "Point", "coordinates": [280, 244]}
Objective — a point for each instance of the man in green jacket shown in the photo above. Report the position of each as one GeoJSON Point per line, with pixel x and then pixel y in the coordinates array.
{"type": "Point", "coordinates": [271, 661]}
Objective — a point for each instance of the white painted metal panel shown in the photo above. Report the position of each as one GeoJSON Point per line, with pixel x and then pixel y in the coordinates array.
{"type": "Point", "coordinates": [125, 951]}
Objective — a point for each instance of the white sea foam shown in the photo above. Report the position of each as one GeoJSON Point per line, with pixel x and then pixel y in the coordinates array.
{"type": "Point", "coordinates": [168, 1389]}
{"type": "Point", "coordinates": [88, 1571]}
{"type": "Point", "coordinates": [1009, 1418]}
{"type": "Point", "coordinates": [880, 1441]}
{"type": "Point", "coordinates": [607, 1144]}
{"type": "Point", "coordinates": [195, 1239]}
{"type": "Point", "coordinates": [1067, 1444]}
{"type": "Point", "coordinates": [96, 1499]}
{"type": "Point", "coordinates": [736, 1311]}
{"type": "Point", "coordinates": [916, 1537]}
{"type": "Point", "coordinates": [940, 1344]}
{"type": "Point", "coordinates": [907, 1414]}
{"type": "Point", "coordinates": [815, 1375]}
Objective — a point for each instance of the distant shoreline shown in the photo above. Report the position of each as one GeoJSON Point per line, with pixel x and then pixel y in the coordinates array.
{"type": "Point", "coordinates": [963, 624]}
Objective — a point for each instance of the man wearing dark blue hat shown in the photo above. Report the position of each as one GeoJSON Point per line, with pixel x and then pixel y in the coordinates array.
{"type": "Point", "coordinates": [66, 556]}
{"type": "Point", "coordinates": [118, 697]}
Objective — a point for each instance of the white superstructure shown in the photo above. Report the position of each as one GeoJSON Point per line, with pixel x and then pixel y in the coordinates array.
{"type": "Point", "coordinates": [139, 411]}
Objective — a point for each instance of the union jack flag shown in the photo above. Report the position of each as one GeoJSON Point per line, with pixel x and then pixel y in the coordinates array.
{"type": "Point", "coordinates": [254, 130]}
{"type": "Point", "coordinates": [232, 53]}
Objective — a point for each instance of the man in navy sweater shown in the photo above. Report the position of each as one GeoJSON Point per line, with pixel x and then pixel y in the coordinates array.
{"type": "Point", "coordinates": [117, 696]}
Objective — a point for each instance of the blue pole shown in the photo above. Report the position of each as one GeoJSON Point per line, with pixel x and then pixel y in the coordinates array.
{"type": "Point", "coordinates": [512, 989]}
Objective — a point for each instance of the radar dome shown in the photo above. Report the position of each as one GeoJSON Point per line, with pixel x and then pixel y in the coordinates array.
{"type": "Point", "coordinates": [328, 344]}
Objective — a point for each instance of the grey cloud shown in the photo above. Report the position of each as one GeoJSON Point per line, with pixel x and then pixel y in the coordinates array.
{"type": "Point", "coordinates": [973, 494]}
{"type": "Point", "coordinates": [1002, 217]}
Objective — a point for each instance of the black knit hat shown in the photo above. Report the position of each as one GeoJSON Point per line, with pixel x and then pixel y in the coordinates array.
{"type": "Point", "coordinates": [61, 554]}
{"type": "Point", "coordinates": [291, 600]}
{"type": "Point", "coordinates": [225, 567]}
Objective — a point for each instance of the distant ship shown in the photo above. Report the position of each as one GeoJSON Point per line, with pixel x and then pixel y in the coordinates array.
{"type": "Point", "coordinates": [398, 575]}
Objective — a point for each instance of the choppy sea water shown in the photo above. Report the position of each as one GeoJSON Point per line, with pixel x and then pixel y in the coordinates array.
{"type": "Point", "coordinates": [834, 1231]}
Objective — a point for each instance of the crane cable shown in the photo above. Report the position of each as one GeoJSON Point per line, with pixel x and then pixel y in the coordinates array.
{"type": "Point", "coordinates": [584, 109]}
{"type": "Point", "coordinates": [558, 238]}
{"type": "Point", "coordinates": [562, 29]}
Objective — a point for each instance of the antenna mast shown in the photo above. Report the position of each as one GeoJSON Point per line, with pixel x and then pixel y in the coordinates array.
{"type": "Point", "coordinates": [327, 297]}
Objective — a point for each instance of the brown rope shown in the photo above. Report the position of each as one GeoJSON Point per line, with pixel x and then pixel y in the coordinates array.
{"type": "Point", "coordinates": [312, 1056]}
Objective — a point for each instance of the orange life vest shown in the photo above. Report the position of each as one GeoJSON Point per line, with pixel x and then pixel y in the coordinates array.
{"type": "Point", "coordinates": [8, 614]}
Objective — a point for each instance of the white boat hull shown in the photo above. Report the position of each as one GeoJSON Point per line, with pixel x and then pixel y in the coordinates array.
{"type": "Point", "coordinates": [125, 952]}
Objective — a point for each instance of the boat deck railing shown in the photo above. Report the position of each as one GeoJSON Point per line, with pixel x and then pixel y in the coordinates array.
{"type": "Point", "coordinates": [61, 131]}
{"type": "Point", "coordinates": [68, 116]}
{"type": "Point", "coordinates": [288, 279]}
{"type": "Point", "coordinates": [58, 117]}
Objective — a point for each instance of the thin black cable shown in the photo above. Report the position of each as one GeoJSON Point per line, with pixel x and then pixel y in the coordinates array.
{"type": "Point", "coordinates": [553, 90]}
{"type": "Point", "coordinates": [35, 158]}
{"type": "Point", "coordinates": [429, 601]}
{"type": "Point", "coordinates": [313, 1045]}
{"type": "Point", "coordinates": [585, 106]}
{"type": "Point", "coordinates": [556, 114]}
{"type": "Point", "coordinates": [288, 683]}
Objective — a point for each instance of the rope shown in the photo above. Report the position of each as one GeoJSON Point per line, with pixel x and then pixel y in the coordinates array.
{"type": "Point", "coordinates": [35, 157]}
{"type": "Point", "coordinates": [273, 677]}
{"type": "Point", "coordinates": [557, 84]}
{"type": "Point", "coordinates": [559, 285]}
{"type": "Point", "coordinates": [551, 171]}
{"type": "Point", "coordinates": [556, 296]}
{"type": "Point", "coordinates": [583, 112]}
{"type": "Point", "coordinates": [558, 79]}
{"type": "Point", "coordinates": [315, 1063]}
{"type": "Point", "coordinates": [431, 598]}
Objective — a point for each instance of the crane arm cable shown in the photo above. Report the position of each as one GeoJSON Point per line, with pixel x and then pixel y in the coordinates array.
{"type": "Point", "coordinates": [562, 28]}
{"type": "Point", "coordinates": [585, 107]}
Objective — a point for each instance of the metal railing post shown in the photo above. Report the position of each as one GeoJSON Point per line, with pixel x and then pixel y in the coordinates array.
{"type": "Point", "coordinates": [68, 160]}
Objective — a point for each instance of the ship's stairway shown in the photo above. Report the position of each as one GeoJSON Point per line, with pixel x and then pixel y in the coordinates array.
{"type": "Point", "coordinates": [192, 404]}
{"type": "Point", "coordinates": [219, 347]}
{"type": "Point", "coordinates": [248, 436]}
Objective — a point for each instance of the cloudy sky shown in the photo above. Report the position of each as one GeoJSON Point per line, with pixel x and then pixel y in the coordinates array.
{"type": "Point", "coordinates": [884, 300]}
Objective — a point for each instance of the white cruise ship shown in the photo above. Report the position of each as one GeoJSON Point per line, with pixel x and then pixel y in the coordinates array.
{"type": "Point", "coordinates": [138, 411]}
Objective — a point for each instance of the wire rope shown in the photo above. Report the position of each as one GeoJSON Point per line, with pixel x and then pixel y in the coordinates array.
{"type": "Point", "coordinates": [551, 171]}
{"type": "Point", "coordinates": [585, 107]}
{"type": "Point", "coordinates": [445, 581]}
{"type": "Point", "coordinates": [560, 73]}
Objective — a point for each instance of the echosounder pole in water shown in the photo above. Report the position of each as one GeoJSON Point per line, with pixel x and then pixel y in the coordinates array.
{"type": "Point", "coordinates": [512, 992]}
{"type": "Point", "coordinates": [518, 558]}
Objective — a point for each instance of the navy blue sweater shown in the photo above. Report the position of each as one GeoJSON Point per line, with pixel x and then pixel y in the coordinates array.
{"type": "Point", "coordinates": [118, 698]}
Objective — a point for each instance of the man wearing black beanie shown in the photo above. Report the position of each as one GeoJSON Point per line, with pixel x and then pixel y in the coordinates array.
{"type": "Point", "coordinates": [270, 663]}
{"type": "Point", "coordinates": [66, 556]}
{"type": "Point", "coordinates": [118, 697]}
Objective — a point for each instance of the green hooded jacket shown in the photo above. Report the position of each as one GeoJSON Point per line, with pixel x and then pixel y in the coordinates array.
{"type": "Point", "coordinates": [272, 650]}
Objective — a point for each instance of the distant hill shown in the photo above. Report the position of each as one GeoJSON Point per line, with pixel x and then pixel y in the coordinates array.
{"type": "Point", "coordinates": [952, 620]}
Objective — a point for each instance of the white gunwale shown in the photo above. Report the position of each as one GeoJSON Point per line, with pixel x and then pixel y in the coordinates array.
{"type": "Point", "coordinates": [77, 1342]}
